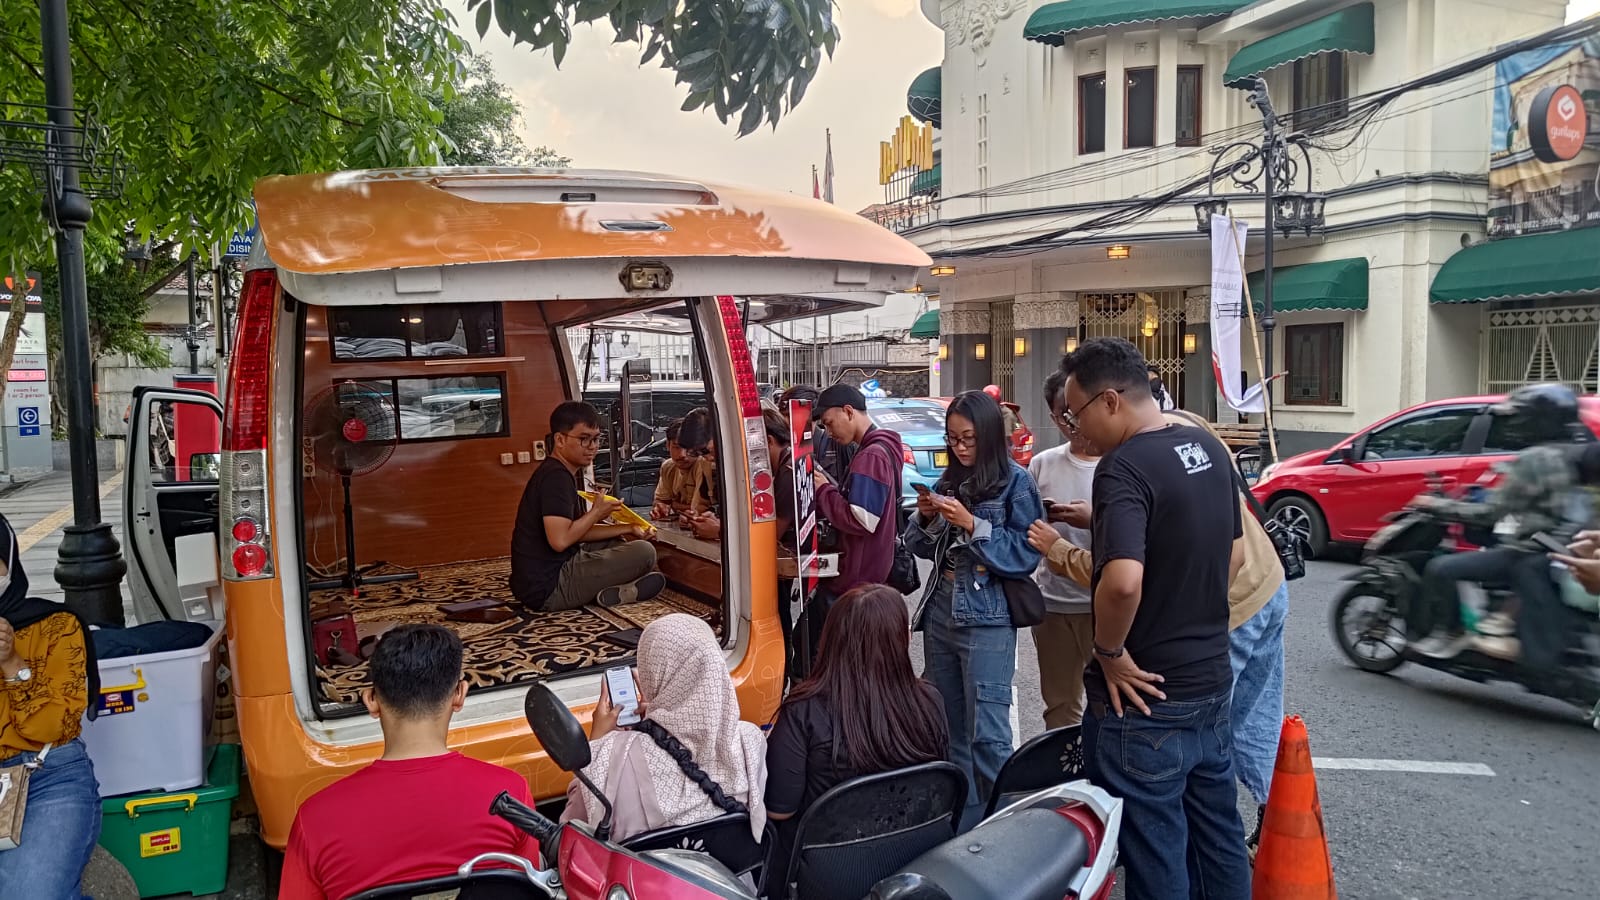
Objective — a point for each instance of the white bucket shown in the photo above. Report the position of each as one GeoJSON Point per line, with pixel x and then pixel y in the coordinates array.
{"type": "Point", "coordinates": [155, 717]}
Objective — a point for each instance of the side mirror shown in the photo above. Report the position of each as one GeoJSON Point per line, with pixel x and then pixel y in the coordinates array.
{"type": "Point", "coordinates": [556, 728]}
{"type": "Point", "coordinates": [1347, 455]}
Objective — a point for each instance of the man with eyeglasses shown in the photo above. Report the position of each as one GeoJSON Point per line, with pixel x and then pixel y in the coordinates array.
{"type": "Point", "coordinates": [563, 557]}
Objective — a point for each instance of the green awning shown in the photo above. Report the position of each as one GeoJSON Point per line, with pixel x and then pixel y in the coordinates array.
{"type": "Point", "coordinates": [926, 327]}
{"type": "Point", "coordinates": [1053, 22]}
{"type": "Point", "coordinates": [1336, 284]}
{"type": "Point", "coordinates": [1557, 264]}
{"type": "Point", "coordinates": [1349, 29]}
{"type": "Point", "coordinates": [926, 182]}
{"type": "Point", "coordinates": [922, 98]}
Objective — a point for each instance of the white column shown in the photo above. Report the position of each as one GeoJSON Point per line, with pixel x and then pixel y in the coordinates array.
{"type": "Point", "coordinates": [1167, 86]}
{"type": "Point", "coordinates": [1116, 92]}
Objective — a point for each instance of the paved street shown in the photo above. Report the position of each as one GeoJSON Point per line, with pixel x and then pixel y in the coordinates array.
{"type": "Point", "coordinates": [1523, 831]}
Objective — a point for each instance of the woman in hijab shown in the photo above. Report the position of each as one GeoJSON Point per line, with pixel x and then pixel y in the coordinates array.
{"type": "Point", "coordinates": [47, 675]}
{"type": "Point", "coordinates": [691, 759]}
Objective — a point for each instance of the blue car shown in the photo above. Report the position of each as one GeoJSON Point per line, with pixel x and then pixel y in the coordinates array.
{"type": "Point", "coordinates": [921, 427]}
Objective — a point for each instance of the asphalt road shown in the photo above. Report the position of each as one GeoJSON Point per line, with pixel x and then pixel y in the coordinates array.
{"type": "Point", "coordinates": [1526, 831]}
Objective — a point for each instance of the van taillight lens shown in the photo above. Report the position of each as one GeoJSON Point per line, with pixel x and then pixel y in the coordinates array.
{"type": "Point", "coordinates": [763, 503]}
{"type": "Point", "coordinates": [246, 424]}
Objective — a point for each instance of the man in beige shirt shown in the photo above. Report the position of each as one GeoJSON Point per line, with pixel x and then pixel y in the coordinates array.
{"type": "Point", "coordinates": [678, 488]}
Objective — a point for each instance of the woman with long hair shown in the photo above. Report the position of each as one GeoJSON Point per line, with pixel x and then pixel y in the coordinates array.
{"type": "Point", "coordinates": [974, 527]}
{"type": "Point", "coordinates": [48, 674]}
{"type": "Point", "coordinates": [861, 711]}
{"type": "Point", "coordinates": [690, 759]}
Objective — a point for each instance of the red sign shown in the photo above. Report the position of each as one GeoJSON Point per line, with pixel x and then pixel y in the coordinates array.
{"type": "Point", "coordinates": [1557, 123]}
{"type": "Point", "coordinates": [805, 512]}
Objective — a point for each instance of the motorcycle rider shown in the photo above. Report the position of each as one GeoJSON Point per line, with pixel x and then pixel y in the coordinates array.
{"type": "Point", "coordinates": [1534, 490]}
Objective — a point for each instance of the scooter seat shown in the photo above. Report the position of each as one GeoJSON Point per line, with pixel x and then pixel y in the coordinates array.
{"type": "Point", "coordinates": [1030, 853]}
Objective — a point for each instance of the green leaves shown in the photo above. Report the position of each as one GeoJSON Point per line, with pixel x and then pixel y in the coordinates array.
{"type": "Point", "coordinates": [748, 58]}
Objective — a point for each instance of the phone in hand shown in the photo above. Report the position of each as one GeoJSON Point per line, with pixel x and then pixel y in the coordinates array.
{"type": "Point", "coordinates": [624, 694]}
{"type": "Point", "coordinates": [1550, 544]}
{"type": "Point", "coordinates": [921, 488]}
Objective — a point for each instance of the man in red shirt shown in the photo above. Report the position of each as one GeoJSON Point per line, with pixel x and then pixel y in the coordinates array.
{"type": "Point", "coordinates": [421, 810]}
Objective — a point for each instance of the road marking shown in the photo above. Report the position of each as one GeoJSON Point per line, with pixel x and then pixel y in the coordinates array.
{"type": "Point", "coordinates": [1417, 766]}
{"type": "Point", "coordinates": [46, 526]}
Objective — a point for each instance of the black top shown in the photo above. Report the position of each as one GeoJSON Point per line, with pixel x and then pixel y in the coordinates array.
{"type": "Point", "coordinates": [783, 492]}
{"type": "Point", "coordinates": [1166, 498]}
{"type": "Point", "coordinates": [535, 565]}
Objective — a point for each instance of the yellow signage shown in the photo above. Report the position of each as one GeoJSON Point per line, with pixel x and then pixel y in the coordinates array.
{"type": "Point", "coordinates": [160, 843]}
{"type": "Point", "coordinates": [911, 147]}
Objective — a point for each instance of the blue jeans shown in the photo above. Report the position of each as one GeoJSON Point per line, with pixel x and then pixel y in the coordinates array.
{"type": "Point", "coordinates": [1181, 833]}
{"type": "Point", "coordinates": [59, 829]}
{"type": "Point", "coordinates": [972, 668]}
{"type": "Point", "coordinates": [1256, 651]}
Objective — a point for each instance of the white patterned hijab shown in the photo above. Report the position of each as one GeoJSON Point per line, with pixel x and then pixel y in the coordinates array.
{"type": "Point", "coordinates": [684, 683]}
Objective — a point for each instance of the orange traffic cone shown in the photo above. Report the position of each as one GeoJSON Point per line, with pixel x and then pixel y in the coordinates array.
{"type": "Point", "coordinates": [1292, 862]}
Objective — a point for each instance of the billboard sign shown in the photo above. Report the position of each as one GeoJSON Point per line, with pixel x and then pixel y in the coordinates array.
{"type": "Point", "coordinates": [1544, 154]}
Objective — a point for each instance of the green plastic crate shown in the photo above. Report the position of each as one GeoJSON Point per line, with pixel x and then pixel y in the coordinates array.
{"type": "Point", "coordinates": [176, 843]}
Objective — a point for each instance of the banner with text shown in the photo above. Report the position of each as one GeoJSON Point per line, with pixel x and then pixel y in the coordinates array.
{"type": "Point", "coordinates": [1227, 305]}
{"type": "Point", "coordinates": [1544, 146]}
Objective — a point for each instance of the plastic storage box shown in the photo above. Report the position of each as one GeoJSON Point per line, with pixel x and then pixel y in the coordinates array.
{"type": "Point", "coordinates": [155, 716]}
{"type": "Point", "coordinates": [176, 843]}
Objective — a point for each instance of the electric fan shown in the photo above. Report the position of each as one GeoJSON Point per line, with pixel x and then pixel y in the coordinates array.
{"type": "Point", "coordinates": [350, 427]}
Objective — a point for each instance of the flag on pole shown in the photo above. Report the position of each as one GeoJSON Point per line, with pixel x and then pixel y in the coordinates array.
{"type": "Point", "coordinates": [816, 189]}
{"type": "Point", "coordinates": [1227, 304]}
{"type": "Point", "coordinates": [827, 170]}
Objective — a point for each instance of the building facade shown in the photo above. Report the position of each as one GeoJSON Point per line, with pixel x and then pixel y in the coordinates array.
{"type": "Point", "coordinates": [1074, 139]}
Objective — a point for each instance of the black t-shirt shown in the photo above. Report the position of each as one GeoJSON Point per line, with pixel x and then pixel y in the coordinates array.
{"type": "Point", "coordinates": [535, 565]}
{"type": "Point", "coordinates": [1167, 499]}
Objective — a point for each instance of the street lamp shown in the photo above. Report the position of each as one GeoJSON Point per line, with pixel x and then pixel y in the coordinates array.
{"type": "Point", "coordinates": [1268, 164]}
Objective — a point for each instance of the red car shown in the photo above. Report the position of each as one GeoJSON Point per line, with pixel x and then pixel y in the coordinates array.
{"type": "Point", "coordinates": [1341, 495]}
{"type": "Point", "coordinates": [1021, 439]}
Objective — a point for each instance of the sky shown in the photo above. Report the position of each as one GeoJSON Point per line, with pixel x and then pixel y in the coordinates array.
{"type": "Point", "coordinates": [604, 111]}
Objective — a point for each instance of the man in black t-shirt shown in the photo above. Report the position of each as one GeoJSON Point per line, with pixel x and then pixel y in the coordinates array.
{"type": "Point", "coordinates": [1159, 683]}
{"type": "Point", "coordinates": [562, 557]}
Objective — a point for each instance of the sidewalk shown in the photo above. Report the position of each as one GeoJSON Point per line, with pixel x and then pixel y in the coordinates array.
{"type": "Point", "coordinates": [39, 510]}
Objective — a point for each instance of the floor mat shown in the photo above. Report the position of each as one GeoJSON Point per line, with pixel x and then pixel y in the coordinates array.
{"type": "Point", "coordinates": [531, 646]}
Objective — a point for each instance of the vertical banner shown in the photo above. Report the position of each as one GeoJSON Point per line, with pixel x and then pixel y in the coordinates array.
{"type": "Point", "coordinates": [805, 495]}
{"type": "Point", "coordinates": [1227, 306]}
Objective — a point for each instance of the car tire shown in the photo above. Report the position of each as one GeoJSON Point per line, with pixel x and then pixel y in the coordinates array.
{"type": "Point", "coordinates": [1302, 517]}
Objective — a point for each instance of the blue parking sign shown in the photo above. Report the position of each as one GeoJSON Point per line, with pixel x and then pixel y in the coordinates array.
{"type": "Point", "coordinates": [27, 421]}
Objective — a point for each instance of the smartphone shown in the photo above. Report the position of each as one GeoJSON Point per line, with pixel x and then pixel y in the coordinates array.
{"type": "Point", "coordinates": [1550, 544]}
{"type": "Point", "coordinates": [624, 695]}
{"type": "Point", "coordinates": [921, 488]}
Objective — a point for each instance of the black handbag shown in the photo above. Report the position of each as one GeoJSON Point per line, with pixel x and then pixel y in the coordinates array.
{"type": "Point", "coordinates": [1291, 553]}
{"type": "Point", "coordinates": [1024, 600]}
{"type": "Point", "coordinates": [903, 574]}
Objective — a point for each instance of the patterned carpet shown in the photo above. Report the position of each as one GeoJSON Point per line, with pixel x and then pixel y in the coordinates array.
{"type": "Point", "coordinates": [528, 647]}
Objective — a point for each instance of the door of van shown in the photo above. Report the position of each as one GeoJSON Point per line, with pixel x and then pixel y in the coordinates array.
{"type": "Point", "coordinates": [169, 509]}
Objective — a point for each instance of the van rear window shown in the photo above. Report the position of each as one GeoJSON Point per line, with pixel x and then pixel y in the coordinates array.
{"type": "Point", "coordinates": [418, 331]}
{"type": "Point", "coordinates": [442, 407]}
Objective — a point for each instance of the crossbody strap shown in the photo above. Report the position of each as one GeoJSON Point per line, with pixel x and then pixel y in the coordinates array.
{"type": "Point", "coordinates": [38, 760]}
{"type": "Point", "coordinates": [1255, 505]}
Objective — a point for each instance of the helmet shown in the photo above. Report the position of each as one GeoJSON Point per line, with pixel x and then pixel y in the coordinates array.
{"type": "Point", "coordinates": [1549, 410]}
{"type": "Point", "coordinates": [993, 390]}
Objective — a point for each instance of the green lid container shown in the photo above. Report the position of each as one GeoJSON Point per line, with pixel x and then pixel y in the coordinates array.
{"type": "Point", "coordinates": [177, 842]}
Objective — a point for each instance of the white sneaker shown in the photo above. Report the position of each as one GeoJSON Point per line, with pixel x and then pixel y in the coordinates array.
{"type": "Point", "coordinates": [1497, 624]}
{"type": "Point", "coordinates": [1443, 644]}
{"type": "Point", "coordinates": [1498, 646]}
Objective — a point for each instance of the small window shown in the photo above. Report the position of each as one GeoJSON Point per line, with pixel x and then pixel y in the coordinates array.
{"type": "Point", "coordinates": [1092, 114]}
{"type": "Point", "coordinates": [1139, 109]}
{"type": "Point", "coordinates": [416, 332]}
{"type": "Point", "coordinates": [1315, 354]}
{"type": "Point", "coordinates": [1189, 81]}
{"type": "Point", "coordinates": [1321, 89]}
{"type": "Point", "coordinates": [1439, 434]}
{"type": "Point", "coordinates": [434, 408]}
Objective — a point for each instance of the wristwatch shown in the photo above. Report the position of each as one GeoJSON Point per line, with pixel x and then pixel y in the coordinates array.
{"type": "Point", "coordinates": [23, 675]}
{"type": "Point", "coordinates": [1110, 654]}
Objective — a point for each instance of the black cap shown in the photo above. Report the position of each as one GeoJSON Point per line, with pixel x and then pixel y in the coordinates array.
{"type": "Point", "coordinates": [837, 396]}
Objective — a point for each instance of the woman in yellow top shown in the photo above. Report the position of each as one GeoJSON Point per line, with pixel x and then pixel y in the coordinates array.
{"type": "Point", "coordinates": [49, 673]}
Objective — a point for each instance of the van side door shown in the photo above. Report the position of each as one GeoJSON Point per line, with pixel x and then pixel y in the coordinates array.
{"type": "Point", "coordinates": [169, 505]}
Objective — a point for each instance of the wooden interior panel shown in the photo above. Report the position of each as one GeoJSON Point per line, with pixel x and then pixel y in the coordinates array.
{"type": "Point", "coordinates": [442, 500]}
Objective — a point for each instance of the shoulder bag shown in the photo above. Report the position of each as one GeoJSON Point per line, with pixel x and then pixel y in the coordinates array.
{"type": "Point", "coordinates": [14, 799]}
{"type": "Point", "coordinates": [1290, 551]}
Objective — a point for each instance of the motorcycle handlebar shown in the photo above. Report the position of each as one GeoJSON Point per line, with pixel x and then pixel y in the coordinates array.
{"type": "Point", "coordinates": [529, 820]}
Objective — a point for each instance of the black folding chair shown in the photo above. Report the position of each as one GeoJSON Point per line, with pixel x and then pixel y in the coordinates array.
{"type": "Point", "coordinates": [865, 829]}
{"type": "Point", "coordinates": [726, 839]}
{"type": "Point", "coordinates": [470, 883]}
{"type": "Point", "coordinates": [1055, 757]}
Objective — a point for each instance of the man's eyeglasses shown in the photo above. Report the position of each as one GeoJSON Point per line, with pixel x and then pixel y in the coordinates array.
{"type": "Point", "coordinates": [586, 441]}
{"type": "Point", "coordinates": [961, 443]}
{"type": "Point", "coordinates": [698, 452]}
{"type": "Point", "coordinates": [1073, 418]}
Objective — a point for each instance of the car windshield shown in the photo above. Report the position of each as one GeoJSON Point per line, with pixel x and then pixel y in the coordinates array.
{"type": "Point", "coordinates": [910, 418]}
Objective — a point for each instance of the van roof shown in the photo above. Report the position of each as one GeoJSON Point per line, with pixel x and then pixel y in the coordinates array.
{"type": "Point", "coordinates": [384, 219]}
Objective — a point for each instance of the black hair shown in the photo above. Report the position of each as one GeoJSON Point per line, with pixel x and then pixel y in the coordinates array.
{"type": "Point", "coordinates": [415, 668]}
{"type": "Point", "coordinates": [801, 392]}
{"type": "Point", "coordinates": [991, 472]}
{"type": "Point", "coordinates": [1053, 383]}
{"type": "Point", "coordinates": [674, 428]}
{"type": "Point", "coordinates": [691, 769]}
{"type": "Point", "coordinates": [777, 427]}
{"type": "Point", "coordinates": [696, 430]}
{"type": "Point", "coordinates": [569, 415]}
{"type": "Point", "coordinates": [1111, 364]}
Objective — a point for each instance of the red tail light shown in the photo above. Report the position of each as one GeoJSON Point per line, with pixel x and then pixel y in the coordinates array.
{"type": "Point", "coordinates": [763, 503]}
{"type": "Point", "coordinates": [247, 419]}
{"type": "Point", "coordinates": [744, 370]}
{"type": "Point", "coordinates": [906, 454]}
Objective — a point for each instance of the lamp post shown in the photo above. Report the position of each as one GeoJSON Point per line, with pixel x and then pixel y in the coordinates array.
{"type": "Point", "coordinates": [1269, 164]}
{"type": "Point", "coordinates": [89, 564]}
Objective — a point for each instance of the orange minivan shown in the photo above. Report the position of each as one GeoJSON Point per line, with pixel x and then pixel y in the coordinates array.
{"type": "Point", "coordinates": [401, 338]}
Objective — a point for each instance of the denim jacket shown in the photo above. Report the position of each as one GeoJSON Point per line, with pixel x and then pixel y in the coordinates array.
{"type": "Point", "coordinates": [998, 545]}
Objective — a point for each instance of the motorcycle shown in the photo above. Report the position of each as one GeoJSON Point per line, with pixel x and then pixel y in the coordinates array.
{"type": "Point", "coordinates": [1378, 636]}
{"type": "Point", "coordinates": [1063, 837]}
